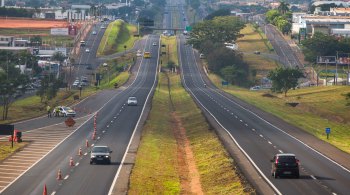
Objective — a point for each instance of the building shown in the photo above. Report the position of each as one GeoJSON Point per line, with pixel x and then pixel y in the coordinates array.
{"type": "Point", "coordinates": [327, 23]}
{"type": "Point", "coordinates": [6, 41]}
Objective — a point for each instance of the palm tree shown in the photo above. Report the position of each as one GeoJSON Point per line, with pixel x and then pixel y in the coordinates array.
{"type": "Point", "coordinates": [283, 7]}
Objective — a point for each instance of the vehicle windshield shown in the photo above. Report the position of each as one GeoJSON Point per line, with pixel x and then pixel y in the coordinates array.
{"type": "Point", "coordinates": [286, 159]}
{"type": "Point", "coordinates": [100, 149]}
{"type": "Point", "coordinates": [132, 98]}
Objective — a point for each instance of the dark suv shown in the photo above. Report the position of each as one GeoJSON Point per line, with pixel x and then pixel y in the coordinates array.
{"type": "Point", "coordinates": [100, 154]}
{"type": "Point", "coordinates": [285, 164]}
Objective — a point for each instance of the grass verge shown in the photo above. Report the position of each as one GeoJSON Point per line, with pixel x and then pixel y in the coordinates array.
{"type": "Point", "coordinates": [117, 35]}
{"type": "Point", "coordinates": [158, 168]}
{"type": "Point", "coordinates": [319, 107]}
{"type": "Point", "coordinates": [6, 150]}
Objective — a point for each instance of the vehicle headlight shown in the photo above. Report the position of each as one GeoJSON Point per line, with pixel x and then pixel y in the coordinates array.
{"type": "Point", "coordinates": [107, 156]}
{"type": "Point", "coordinates": [93, 156]}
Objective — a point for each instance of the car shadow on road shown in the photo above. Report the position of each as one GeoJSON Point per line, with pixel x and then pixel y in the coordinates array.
{"type": "Point", "coordinates": [118, 163]}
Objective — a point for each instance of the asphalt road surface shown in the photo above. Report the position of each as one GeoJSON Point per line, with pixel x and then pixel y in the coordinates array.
{"type": "Point", "coordinates": [116, 123]}
{"type": "Point", "coordinates": [260, 140]}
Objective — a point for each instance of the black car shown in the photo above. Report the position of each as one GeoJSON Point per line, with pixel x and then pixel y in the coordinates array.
{"type": "Point", "coordinates": [100, 154]}
{"type": "Point", "coordinates": [285, 165]}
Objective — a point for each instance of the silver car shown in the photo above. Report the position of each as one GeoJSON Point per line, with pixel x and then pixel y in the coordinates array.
{"type": "Point", "coordinates": [132, 101]}
{"type": "Point", "coordinates": [100, 154]}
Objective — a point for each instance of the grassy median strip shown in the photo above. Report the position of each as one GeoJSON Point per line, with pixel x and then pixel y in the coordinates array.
{"type": "Point", "coordinates": [117, 35]}
{"type": "Point", "coordinates": [6, 150]}
{"type": "Point", "coordinates": [178, 154]}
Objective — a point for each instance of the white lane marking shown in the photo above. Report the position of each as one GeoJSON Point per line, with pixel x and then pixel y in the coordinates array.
{"type": "Point", "coordinates": [107, 126]}
{"type": "Point", "coordinates": [274, 146]}
{"type": "Point", "coordinates": [92, 144]}
{"type": "Point", "coordinates": [261, 135]}
{"type": "Point", "coordinates": [66, 177]}
{"type": "Point", "coordinates": [85, 154]}
{"type": "Point", "coordinates": [280, 151]}
{"type": "Point", "coordinates": [111, 121]}
{"type": "Point", "coordinates": [241, 121]}
{"type": "Point", "coordinates": [246, 125]}
{"type": "Point", "coordinates": [269, 142]}
{"type": "Point", "coordinates": [76, 164]}
{"type": "Point", "coordinates": [313, 177]}
{"type": "Point", "coordinates": [253, 129]}
{"type": "Point", "coordinates": [137, 124]}
{"type": "Point", "coordinates": [53, 193]}
{"type": "Point", "coordinates": [115, 117]}
{"type": "Point", "coordinates": [236, 116]}
{"type": "Point", "coordinates": [228, 132]}
{"type": "Point", "coordinates": [232, 113]}
{"type": "Point", "coordinates": [103, 131]}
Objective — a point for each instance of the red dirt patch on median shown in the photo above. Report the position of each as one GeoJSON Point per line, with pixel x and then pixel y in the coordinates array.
{"type": "Point", "coordinates": [29, 23]}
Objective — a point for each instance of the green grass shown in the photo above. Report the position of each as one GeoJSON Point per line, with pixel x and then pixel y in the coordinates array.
{"type": "Point", "coordinates": [11, 32]}
{"type": "Point", "coordinates": [170, 49]}
{"type": "Point", "coordinates": [126, 37]}
{"type": "Point", "coordinates": [156, 169]}
{"type": "Point", "coordinates": [117, 35]}
{"type": "Point", "coordinates": [6, 150]}
{"type": "Point", "coordinates": [59, 41]}
{"type": "Point", "coordinates": [319, 107]}
{"type": "Point", "coordinates": [31, 107]}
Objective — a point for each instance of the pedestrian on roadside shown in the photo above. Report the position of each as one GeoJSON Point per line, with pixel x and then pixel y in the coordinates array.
{"type": "Point", "coordinates": [57, 111]}
{"type": "Point", "coordinates": [48, 109]}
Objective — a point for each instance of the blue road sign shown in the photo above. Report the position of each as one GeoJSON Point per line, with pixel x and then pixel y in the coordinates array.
{"type": "Point", "coordinates": [224, 83]}
{"type": "Point", "coordinates": [328, 130]}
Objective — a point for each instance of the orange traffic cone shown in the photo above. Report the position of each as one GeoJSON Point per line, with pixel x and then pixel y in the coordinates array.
{"type": "Point", "coordinates": [87, 143]}
{"type": "Point", "coordinates": [45, 190]}
{"type": "Point", "coordinates": [80, 152]}
{"type": "Point", "coordinates": [59, 175]}
{"type": "Point", "coordinates": [94, 135]}
{"type": "Point", "coordinates": [71, 162]}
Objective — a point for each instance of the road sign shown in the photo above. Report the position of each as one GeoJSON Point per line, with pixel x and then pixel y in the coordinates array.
{"type": "Point", "coordinates": [328, 131]}
{"type": "Point", "coordinates": [6, 129]}
{"type": "Point", "coordinates": [188, 28]}
{"type": "Point", "coordinates": [224, 83]}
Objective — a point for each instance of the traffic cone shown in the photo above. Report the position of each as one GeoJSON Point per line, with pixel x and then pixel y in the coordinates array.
{"type": "Point", "coordinates": [45, 190]}
{"type": "Point", "coordinates": [71, 162]}
{"type": "Point", "coordinates": [87, 143]}
{"type": "Point", "coordinates": [59, 175]}
{"type": "Point", "coordinates": [94, 135]}
{"type": "Point", "coordinates": [80, 153]}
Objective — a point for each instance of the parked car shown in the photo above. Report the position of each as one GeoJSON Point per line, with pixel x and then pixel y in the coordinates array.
{"type": "Point", "coordinates": [285, 164]}
{"type": "Point", "coordinates": [132, 101]}
{"type": "Point", "coordinates": [100, 154]}
{"type": "Point", "coordinates": [255, 88]}
{"type": "Point", "coordinates": [64, 111]}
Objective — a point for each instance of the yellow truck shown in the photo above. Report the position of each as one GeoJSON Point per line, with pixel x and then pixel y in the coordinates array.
{"type": "Point", "coordinates": [147, 54]}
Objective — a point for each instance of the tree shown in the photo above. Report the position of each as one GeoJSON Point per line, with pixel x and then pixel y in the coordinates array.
{"type": "Point", "coordinates": [284, 79]}
{"type": "Point", "coordinates": [58, 56]}
{"type": "Point", "coordinates": [347, 98]}
{"type": "Point", "coordinates": [321, 45]}
{"type": "Point", "coordinates": [219, 30]}
{"type": "Point", "coordinates": [12, 82]}
{"type": "Point", "coordinates": [283, 7]}
{"type": "Point", "coordinates": [36, 41]}
{"type": "Point", "coordinates": [220, 12]}
{"type": "Point", "coordinates": [49, 88]}
{"type": "Point", "coordinates": [271, 15]}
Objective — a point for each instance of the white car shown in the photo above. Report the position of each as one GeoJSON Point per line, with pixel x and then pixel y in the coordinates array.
{"type": "Point", "coordinates": [94, 32]}
{"type": "Point", "coordinates": [201, 56]}
{"type": "Point", "coordinates": [154, 44]}
{"type": "Point", "coordinates": [139, 53]}
{"type": "Point", "coordinates": [76, 83]}
{"type": "Point", "coordinates": [87, 50]}
{"type": "Point", "coordinates": [64, 111]}
{"type": "Point", "coordinates": [255, 88]}
{"type": "Point", "coordinates": [132, 101]}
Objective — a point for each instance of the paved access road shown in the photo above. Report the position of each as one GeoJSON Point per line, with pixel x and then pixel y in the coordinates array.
{"type": "Point", "coordinates": [260, 139]}
{"type": "Point", "coordinates": [116, 123]}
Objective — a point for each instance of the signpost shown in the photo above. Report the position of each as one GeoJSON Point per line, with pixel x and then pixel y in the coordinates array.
{"type": "Point", "coordinates": [328, 131]}
{"type": "Point", "coordinates": [7, 130]}
{"type": "Point", "coordinates": [224, 83]}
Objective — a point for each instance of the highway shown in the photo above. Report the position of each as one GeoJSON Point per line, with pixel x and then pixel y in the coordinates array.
{"type": "Point", "coordinates": [259, 139]}
{"type": "Point", "coordinates": [116, 123]}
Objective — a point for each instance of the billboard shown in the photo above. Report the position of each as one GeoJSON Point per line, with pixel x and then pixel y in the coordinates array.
{"type": "Point", "coordinates": [326, 59]}
{"type": "Point", "coordinates": [59, 31]}
{"type": "Point", "coordinates": [343, 58]}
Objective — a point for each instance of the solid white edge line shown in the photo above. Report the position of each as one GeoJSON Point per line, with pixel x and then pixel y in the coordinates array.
{"type": "Point", "coordinates": [244, 152]}
{"type": "Point", "coordinates": [313, 177]}
{"type": "Point", "coordinates": [89, 118]}
{"type": "Point", "coordinates": [137, 124]}
{"type": "Point", "coordinates": [53, 193]}
{"type": "Point", "coordinates": [66, 177]}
